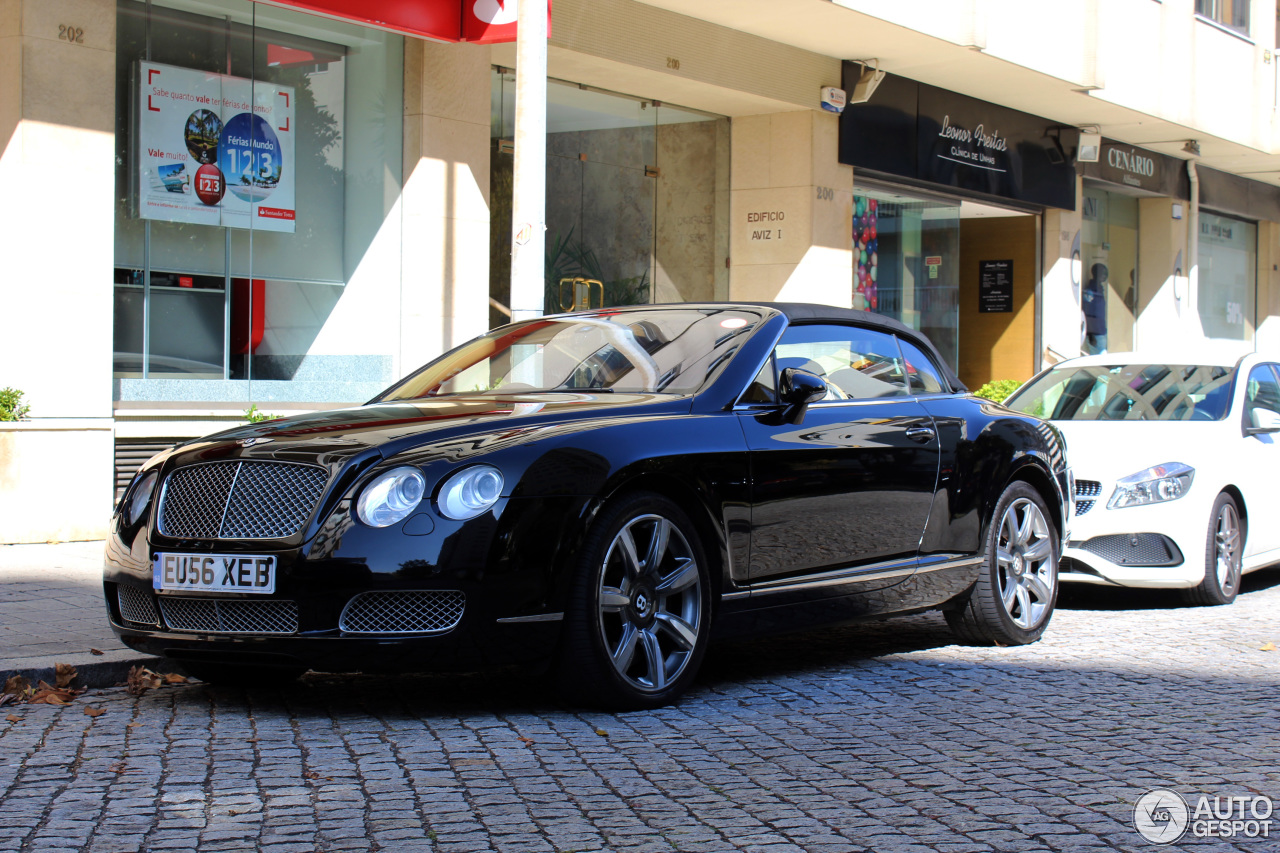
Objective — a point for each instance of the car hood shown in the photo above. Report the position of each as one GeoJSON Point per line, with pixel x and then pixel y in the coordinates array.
{"type": "Point", "coordinates": [1108, 450]}
{"type": "Point", "coordinates": [384, 429]}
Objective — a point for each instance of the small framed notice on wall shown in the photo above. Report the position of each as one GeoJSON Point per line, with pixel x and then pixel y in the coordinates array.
{"type": "Point", "coordinates": [995, 287]}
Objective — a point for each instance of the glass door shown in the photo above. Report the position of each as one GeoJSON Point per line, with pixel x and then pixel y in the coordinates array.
{"type": "Point", "coordinates": [1109, 252]}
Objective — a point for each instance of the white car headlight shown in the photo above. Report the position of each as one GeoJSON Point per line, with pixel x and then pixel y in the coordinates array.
{"type": "Point", "coordinates": [141, 497]}
{"type": "Point", "coordinates": [470, 492]}
{"type": "Point", "coordinates": [391, 497]}
{"type": "Point", "coordinates": [1157, 484]}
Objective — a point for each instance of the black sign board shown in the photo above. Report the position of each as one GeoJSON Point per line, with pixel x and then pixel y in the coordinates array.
{"type": "Point", "coordinates": [917, 131]}
{"type": "Point", "coordinates": [995, 287]}
{"type": "Point", "coordinates": [1139, 168]}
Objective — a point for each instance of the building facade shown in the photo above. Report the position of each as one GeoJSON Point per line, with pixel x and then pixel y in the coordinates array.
{"type": "Point", "coordinates": [223, 204]}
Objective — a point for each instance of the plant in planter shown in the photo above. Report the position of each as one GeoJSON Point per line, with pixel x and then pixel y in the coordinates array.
{"type": "Point", "coordinates": [998, 389]}
{"type": "Point", "coordinates": [11, 405]}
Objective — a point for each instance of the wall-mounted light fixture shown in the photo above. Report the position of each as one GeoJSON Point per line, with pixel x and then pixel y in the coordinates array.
{"type": "Point", "coordinates": [868, 80]}
{"type": "Point", "coordinates": [1090, 148]}
{"type": "Point", "coordinates": [1192, 147]}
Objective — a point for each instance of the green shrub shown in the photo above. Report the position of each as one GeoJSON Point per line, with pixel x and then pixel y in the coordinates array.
{"type": "Point", "coordinates": [998, 389]}
{"type": "Point", "coordinates": [253, 416]}
{"type": "Point", "coordinates": [11, 407]}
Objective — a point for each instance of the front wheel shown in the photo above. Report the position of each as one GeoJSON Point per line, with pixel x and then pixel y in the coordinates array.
{"type": "Point", "coordinates": [639, 612]}
{"type": "Point", "coordinates": [1223, 548]}
{"type": "Point", "coordinates": [1013, 600]}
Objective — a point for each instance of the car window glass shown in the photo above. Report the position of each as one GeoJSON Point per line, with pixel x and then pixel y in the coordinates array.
{"type": "Point", "coordinates": [1136, 392]}
{"type": "Point", "coordinates": [1263, 390]}
{"type": "Point", "coordinates": [762, 388]}
{"type": "Point", "coordinates": [856, 363]}
{"type": "Point", "coordinates": [922, 374]}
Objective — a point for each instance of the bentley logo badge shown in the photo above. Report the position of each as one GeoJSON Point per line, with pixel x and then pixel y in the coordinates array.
{"type": "Point", "coordinates": [250, 442]}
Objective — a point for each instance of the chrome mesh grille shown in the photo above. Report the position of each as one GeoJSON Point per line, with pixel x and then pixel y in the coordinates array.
{"type": "Point", "coordinates": [240, 500]}
{"type": "Point", "coordinates": [1084, 506]}
{"type": "Point", "coordinates": [1088, 488]}
{"type": "Point", "coordinates": [137, 605]}
{"type": "Point", "coordinates": [230, 615]}
{"type": "Point", "coordinates": [403, 612]}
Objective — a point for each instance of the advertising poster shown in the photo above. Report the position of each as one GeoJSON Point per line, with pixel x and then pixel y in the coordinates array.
{"type": "Point", "coordinates": [215, 150]}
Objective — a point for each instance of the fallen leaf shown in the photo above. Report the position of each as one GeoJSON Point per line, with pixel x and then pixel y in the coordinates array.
{"type": "Point", "coordinates": [1268, 647]}
{"type": "Point", "coordinates": [65, 674]}
{"type": "Point", "coordinates": [6, 698]}
{"type": "Point", "coordinates": [95, 712]}
{"type": "Point", "coordinates": [133, 725]}
{"type": "Point", "coordinates": [47, 694]}
{"type": "Point", "coordinates": [118, 767]}
{"type": "Point", "coordinates": [527, 741]}
{"type": "Point", "coordinates": [14, 718]}
{"type": "Point", "coordinates": [174, 678]}
{"type": "Point", "coordinates": [96, 652]}
{"type": "Point", "coordinates": [141, 680]}
{"type": "Point", "coordinates": [602, 733]}
{"type": "Point", "coordinates": [16, 686]}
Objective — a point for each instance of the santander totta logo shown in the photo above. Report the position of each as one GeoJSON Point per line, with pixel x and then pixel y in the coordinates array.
{"type": "Point", "coordinates": [495, 11]}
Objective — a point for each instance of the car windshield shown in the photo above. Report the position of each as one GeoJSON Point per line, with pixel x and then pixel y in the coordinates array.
{"type": "Point", "coordinates": [673, 351]}
{"type": "Point", "coordinates": [1130, 392]}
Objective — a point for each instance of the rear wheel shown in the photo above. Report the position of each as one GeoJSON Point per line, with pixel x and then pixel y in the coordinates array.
{"type": "Point", "coordinates": [1224, 546]}
{"type": "Point", "coordinates": [242, 675]}
{"type": "Point", "coordinates": [1013, 600]}
{"type": "Point", "coordinates": [638, 619]}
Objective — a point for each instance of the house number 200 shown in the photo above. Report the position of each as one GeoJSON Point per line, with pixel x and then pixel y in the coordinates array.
{"type": "Point", "coordinates": [67, 33]}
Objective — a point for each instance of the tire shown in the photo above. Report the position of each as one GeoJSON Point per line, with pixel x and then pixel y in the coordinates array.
{"type": "Point", "coordinates": [639, 612]}
{"type": "Point", "coordinates": [242, 675]}
{"type": "Point", "coordinates": [1013, 599]}
{"type": "Point", "coordinates": [1223, 548]}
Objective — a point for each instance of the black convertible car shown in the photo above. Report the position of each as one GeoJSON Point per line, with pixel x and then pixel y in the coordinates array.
{"type": "Point", "coordinates": [601, 493]}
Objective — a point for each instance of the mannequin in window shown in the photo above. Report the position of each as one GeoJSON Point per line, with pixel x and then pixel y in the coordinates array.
{"type": "Point", "coordinates": [1093, 304]}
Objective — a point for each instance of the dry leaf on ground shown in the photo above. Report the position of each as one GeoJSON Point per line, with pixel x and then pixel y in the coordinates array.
{"type": "Point", "coordinates": [174, 678]}
{"type": "Point", "coordinates": [96, 652]}
{"type": "Point", "coordinates": [47, 694]}
{"type": "Point", "coordinates": [94, 712]}
{"type": "Point", "coordinates": [65, 673]}
{"type": "Point", "coordinates": [14, 718]}
{"type": "Point", "coordinates": [17, 686]}
{"type": "Point", "coordinates": [527, 741]}
{"type": "Point", "coordinates": [1268, 647]}
{"type": "Point", "coordinates": [141, 680]}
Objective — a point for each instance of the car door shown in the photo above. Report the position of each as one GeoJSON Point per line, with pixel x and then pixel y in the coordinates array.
{"type": "Point", "coordinates": [845, 490]}
{"type": "Point", "coordinates": [1261, 460]}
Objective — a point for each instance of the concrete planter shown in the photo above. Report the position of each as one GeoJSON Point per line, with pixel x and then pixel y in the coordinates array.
{"type": "Point", "coordinates": [56, 479]}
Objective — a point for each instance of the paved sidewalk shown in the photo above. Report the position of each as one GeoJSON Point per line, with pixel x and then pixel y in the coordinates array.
{"type": "Point", "coordinates": [51, 612]}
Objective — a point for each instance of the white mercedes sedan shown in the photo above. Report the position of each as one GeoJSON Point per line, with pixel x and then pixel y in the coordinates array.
{"type": "Point", "coordinates": [1177, 468]}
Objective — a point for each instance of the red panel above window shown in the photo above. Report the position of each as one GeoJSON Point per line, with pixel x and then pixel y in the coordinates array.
{"type": "Point", "coordinates": [434, 19]}
{"type": "Point", "coordinates": [479, 21]}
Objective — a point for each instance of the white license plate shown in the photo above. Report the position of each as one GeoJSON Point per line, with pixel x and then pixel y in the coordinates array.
{"type": "Point", "coordinates": [214, 572]}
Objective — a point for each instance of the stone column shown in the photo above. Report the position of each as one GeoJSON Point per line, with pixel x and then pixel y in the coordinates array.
{"type": "Point", "coordinates": [1061, 331]}
{"type": "Point", "coordinates": [790, 210]}
{"type": "Point", "coordinates": [445, 272]}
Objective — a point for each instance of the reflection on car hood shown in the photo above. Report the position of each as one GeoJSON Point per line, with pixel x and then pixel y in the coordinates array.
{"type": "Point", "coordinates": [389, 428]}
{"type": "Point", "coordinates": [1108, 450]}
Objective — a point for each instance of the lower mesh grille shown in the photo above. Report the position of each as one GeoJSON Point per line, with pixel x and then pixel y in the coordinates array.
{"type": "Point", "coordinates": [403, 612]}
{"type": "Point", "coordinates": [137, 605]}
{"type": "Point", "coordinates": [230, 616]}
{"type": "Point", "coordinates": [1135, 549]}
{"type": "Point", "coordinates": [1084, 506]}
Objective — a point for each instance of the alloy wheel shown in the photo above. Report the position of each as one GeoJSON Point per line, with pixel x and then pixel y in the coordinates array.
{"type": "Point", "coordinates": [650, 602]}
{"type": "Point", "coordinates": [1227, 548]}
{"type": "Point", "coordinates": [1025, 563]}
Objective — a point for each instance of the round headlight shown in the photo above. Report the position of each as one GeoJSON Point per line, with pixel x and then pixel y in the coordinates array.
{"type": "Point", "coordinates": [470, 492]}
{"type": "Point", "coordinates": [140, 498]}
{"type": "Point", "coordinates": [391, 497]}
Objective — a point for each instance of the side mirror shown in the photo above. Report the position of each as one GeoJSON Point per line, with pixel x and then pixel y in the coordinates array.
{"type": "Point", "coordinates": [797, 389]}
{"type": "Point", "coordinates": [1262, 421]}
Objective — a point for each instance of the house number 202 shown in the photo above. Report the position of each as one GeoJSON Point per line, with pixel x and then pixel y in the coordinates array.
{"type": "Point", "coordinates": [68, 33]}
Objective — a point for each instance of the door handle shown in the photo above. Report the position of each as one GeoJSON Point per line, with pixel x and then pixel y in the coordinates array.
{"type": "Point", "coordinates": [921, 434]}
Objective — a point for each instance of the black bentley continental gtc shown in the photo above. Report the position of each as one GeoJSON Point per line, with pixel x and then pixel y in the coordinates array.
{"type": "Point", "coordinates": [601, 493]}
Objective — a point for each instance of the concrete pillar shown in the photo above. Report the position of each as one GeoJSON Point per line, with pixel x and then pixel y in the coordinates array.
{"type": "Point", "coordinates": [445, 253]}
{"type": "Point", "coordinates": [790, 210]}
{"type": "Point", "coordinates": [57, 179]}
{"type": "Point", "coordinates": [1166, 317]}
{"type": "Point", "coordinates": [1268, 319]}
{"type": "Point", "coordinates": [1062, 274]}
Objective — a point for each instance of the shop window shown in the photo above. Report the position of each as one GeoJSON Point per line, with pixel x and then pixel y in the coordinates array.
{"type": "Point", "coordinates": [1228, 261]}
{"type": "Point", "coordinates": [1232, 14]}
{"type": "Point", "coordinates": [907, 263]}
{"type": "Point", "coordinates": [1109, 256]}
{"type": "Point", "coordinates": [258, 158]}
{"type": "Point", "coordinates": [637, 200]}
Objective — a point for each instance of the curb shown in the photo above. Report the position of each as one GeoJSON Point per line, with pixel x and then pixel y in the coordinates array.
{"type": "Point", "coordinates": [96, 672]}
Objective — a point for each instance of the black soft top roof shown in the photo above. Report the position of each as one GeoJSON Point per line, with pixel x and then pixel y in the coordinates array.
{"type": "Point", "coordinates": [810, 312]}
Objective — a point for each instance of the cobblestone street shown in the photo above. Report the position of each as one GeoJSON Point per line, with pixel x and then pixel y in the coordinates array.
{"type": "Point", "coordinates": [885, 737]}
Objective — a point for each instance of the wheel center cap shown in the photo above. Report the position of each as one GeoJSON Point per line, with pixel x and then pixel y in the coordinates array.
{"type": "Point", "coordinates": [643, 603]}
{"type": "Point", "coordinates": [1018, 566]}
